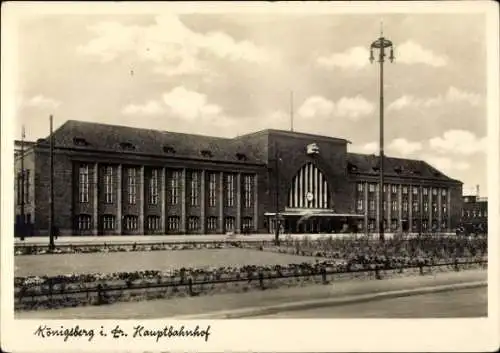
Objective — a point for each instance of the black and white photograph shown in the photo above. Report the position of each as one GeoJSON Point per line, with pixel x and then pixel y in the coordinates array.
{"type": "Point", "coordinates": [177, 175]}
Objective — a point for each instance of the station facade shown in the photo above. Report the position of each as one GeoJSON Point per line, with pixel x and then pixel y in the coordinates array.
{"type": "Point", "coordinates": [122, 180]}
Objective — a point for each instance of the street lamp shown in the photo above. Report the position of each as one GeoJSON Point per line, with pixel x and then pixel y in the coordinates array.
{"type": "Point", "coordinates": [382, 44]}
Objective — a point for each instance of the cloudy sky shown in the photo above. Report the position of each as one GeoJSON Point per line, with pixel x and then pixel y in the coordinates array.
{"type": "Point", "coordinates": [226, 74]}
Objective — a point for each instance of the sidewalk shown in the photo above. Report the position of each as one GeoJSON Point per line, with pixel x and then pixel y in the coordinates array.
{"type": "Point", "coordinates": [188, 306]}
{"type": "Point", "coordinates": [110, 239]}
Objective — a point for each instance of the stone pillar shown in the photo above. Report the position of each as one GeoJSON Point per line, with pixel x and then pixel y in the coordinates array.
{"type": "Point", "coordinates": [377, 208]}
{"type": "Point", "coordinates": [141, 200]}
{"type": "Point", "coordinates": [256, 203]}
{"type": "Point", "coordinates": [448, 209]}
{"type": "Point", "coordinates": [421, 208]}
{"type": "Point", "coordinates": [440, 213]}
{"type": "Point", "coordinates": [95, 192]}
{"type": "Point", "coordinates": [182, 226]}
{"type": "Point", "coordinates": [203, 190]}
{"type": "Point", "coordinates": [163, 200]}
{"type": "Point", "coordinates": [221, 202]}
{"type": "Point", "coordinates": [238, 203]}
{"type": "Point", "coordinates": [119, 203]}
{"type": "Point", "coordinates": [400, 208]}
{"type": "Point", "coordinates": [389, 208]}
{"type": "Point", "coordinates": [429, 226]}
{"type": "Point", "coordinates": [365, 190]}
{"type": "Point", "coordinates": [410, 208]}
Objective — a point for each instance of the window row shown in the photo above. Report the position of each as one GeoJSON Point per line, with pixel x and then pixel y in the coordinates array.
{"type": "Point", "coordinates": [130, 222]}
{"type": "Point", "coordinates": [173, 186]}
{"type": "Point", "coordinates": [474, 213]}
{"type": "Point", "coordinates": [372, 206]}
{"type": "Point", "coordinates": [394, 224]}
{"type": "Point", "coordinates": [23, 187]}
{"type": "Point", "coordinates": [405, 189]}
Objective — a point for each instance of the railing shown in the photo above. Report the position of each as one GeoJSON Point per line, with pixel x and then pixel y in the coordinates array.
{"type": "Point", "coordinates": [25, 295]}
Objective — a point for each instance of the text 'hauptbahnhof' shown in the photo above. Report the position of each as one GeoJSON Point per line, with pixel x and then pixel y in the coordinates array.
{"type": "Point", "coordinates": [121, 180]}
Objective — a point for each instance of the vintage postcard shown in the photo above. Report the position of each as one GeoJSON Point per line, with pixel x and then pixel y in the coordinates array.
{"type": "Point", "coordinates": [250, 176]}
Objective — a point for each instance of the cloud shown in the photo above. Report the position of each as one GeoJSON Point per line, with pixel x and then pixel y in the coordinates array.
{"type": "Point", "coordinates": [150, 108]}
{"type": "Point", "coordinates": [355, 57]}
{"type": "Point", "coordinates": [190, 105]}
{"type": "Point", "coordinates": [413, 53]}
{"type": "Point", "coordinates": [409, 53]}
{"type": "Point", "coordinates": [318, 106]}
{"type": "Point", "coordinates": [445, 164]}
{"type": "Point", "coordinates": [174, 48]}
{"type": "Point", "coordinates": [403, 147]}
{"type": "Point", "coordinates": [367, 148]}
{"type": "Point", "coordinates": [398, 147]}
{"type": "Point", "coordinates": [458, 142]}
{"type": "Point", "coordinates": [452, 95]}
{"type": "Point", "coordinates": [40, 101]}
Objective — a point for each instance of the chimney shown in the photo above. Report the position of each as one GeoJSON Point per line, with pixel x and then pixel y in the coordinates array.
{"type": "Point", "coordinates": [477, 190]}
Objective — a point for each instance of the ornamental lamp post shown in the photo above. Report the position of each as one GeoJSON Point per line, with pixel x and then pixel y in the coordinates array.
{"type": "Point", "coordinates": [382, 44]}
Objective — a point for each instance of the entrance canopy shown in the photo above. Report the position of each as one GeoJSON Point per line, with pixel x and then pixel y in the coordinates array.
{"type": "Point", "coordinates": [309, 212]}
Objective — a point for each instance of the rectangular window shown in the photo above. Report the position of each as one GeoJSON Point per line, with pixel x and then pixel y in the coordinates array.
{"type": "Point", "coordinates": [415, 206]}
{"type": "Point", "coordinates": [83, 183]}
{"type": "Point", "coordinates": [372, 205]}
{"type": "Point", "coordinates": [443, 192]}
{"type": "Point", "coordinates": [385, 205]}
{"type": "Point", "coordinates": [434, 191]}
{"type": "Point", "coordinates": [193, 223]}
{"type": "Point", "coordinates": [434, 207]}
{"type": "Point", "coordinates": [426, 206]}
{"type": "Point", "coordinates": [372, 187]}
{"type": "Point", "coordinates": [175, 177]}
{"type": "Point", "coordinates": [394, 189]}
{"type": "Point", "coordinates": [195, 189]}
{"type": "Point", "coordinates": [360, 205]}
{"type": "Point", "coordinates": [230, 190]}
{"type": "Point", "coordinates": [229, 224]}
{"type": "Point", "coordinates": [405, 206]}
{"type": "Point", "coordinates": [405, 189]}
{"type": "Point", "coordinates": [108, 184]}
{"type": "Point", "coordinates": [130, 222]}
{"type": "Point", "coordinates": [425, 191]}
{"type": "Point", "coordinates": [247, 190]}
{"type": "Point", "coordinates": [212, 189]}
{"type": "Point", "coordinates": [26, 186]}
{"type": "Point", "coordinates": [394, 224]}
{"type": "Point", "coordinates": [394, 205]}
{"type": "Point", "coordinates": [247, 223]}
{"type": "Point", "coordinates": [444, 210]}
{"type": "Point", "coordinates": [385, 187]}
{"type": "Point", "coordinates": [84, 222]}
{"type": "Point", "coordinates": [360, 187]}
{"type": "Point", "coordinates": [212, 223]}
{"type": "Point", "coordinates": [153, 222]}
{"type": "Point", "coordinates": [371, 225]}
{"type": "Point", "coordinates": [173, 223]}
{"type": "Point", "coordinates": [153, 187]}
{"type": "Point", "coordinates": [108, 222]}
{"type": "Point", "coordinates": [415, 190]}
{"type": "Point", "coordinates": [132, 185]}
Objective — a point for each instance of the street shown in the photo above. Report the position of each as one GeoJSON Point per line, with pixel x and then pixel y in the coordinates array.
{"type": "Point", "coordinates": [451, 304]}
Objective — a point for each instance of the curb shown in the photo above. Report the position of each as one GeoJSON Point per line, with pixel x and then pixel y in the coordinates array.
{"type": "Point", "coordinates": [311, 304]}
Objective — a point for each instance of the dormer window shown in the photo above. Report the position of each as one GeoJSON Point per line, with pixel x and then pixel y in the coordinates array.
{"type": "Point", "coordinates": [168, 149]}
{"type": "Point", "coordinates": [206, 153]}
{"type": "Point", "coordinates": [417, 172]}
{"type": "Point", "coordinates": [398, 169]}
{"type": "Point", "coordinates": [80, 141]}
{"type": "Point", "coordinates": [437, 174]}
{"type": "Point", "coordinates": [241, 156]}
{"type": "Point", "coordinates": [127, 146]}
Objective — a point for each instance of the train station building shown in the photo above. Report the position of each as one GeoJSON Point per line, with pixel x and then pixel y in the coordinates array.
{"type": "Point", "coordinates": [123, 180]}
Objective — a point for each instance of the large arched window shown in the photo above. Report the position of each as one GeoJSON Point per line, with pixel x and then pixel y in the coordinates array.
{"type": "Point", "coordinates": [309, 189]}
